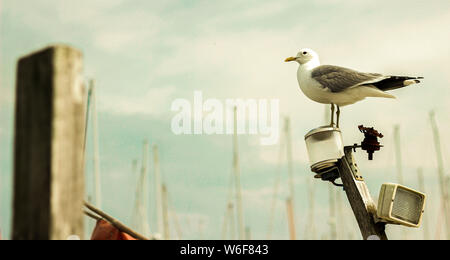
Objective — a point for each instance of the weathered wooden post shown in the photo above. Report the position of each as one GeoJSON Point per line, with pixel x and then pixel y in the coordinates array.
{"type": "Point", "coordinates": [48, 148]}
{"type": "Point", "coordinates": [359, 197]}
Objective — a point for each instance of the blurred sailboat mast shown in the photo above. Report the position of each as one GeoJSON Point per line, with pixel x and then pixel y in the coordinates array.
{"type": "Point", "coordinates": [398, 154]}
{"type": "Point", "coordinates": [140, 211]}
{"type": "Point", "coordinates": [145, 194]}
{"type": "Point", "coordinates": [332, 208]}
{"type": "Point", "coordinates": [340, 220]}
{"type": "Point", "coordinates": [158, 191]}
{"type": "Point", "coordinates": [310, 230]}
{"type": "Point", "coordinates": [275, 190]}
{"type": "Point", "coordinates": [136, 214]}
{"type": "Point", "coordinates": [236, 170]}
{"type": "Point", "coordinates": [290, 201]}
{"type": "Point", "coordinates": [231, 217]}
{"type": "Point", "coordinates": [165, 212]}
{"type": "Point", "coordinates": [97, 183]}
{"type": "Point", "coordinates": [248, 233]}
{"type": "Point", "coordinates": [442, 180]}
{"type": "Point", "coordinates": [228, 221]}
{"type": "Point", "coordinates": [426, 232]}
{"type": "Point", "coordinates": [290, 215]}
{"type": "Point", "coordinates": [398, 158]}
{"type": "Point", "coordinates": [331, 192]}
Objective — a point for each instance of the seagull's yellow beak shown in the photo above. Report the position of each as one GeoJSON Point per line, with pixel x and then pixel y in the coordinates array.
{"type": "Point", "coordinates": [290, 59]}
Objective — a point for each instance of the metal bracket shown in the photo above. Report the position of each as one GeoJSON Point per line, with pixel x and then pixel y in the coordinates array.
{"type": "Point", "coordinates": [351, 160]}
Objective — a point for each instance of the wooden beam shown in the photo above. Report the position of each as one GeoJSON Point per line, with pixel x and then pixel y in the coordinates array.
{"type": "Point", "coordinates": [48, 148]}
{"type": "Point", "coordinates": [358, 195]}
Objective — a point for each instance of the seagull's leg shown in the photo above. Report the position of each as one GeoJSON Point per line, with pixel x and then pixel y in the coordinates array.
{"type": "Point", "coordinates": [332, 115]}
{"type": "Point", "coordinates": [338, 113]}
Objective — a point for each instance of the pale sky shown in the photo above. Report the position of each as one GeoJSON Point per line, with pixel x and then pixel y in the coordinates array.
{"type": "Point", "coordinates": [145, 54]}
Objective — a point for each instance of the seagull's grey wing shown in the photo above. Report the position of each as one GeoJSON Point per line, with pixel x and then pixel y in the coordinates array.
{"type": "Point", "coordinates": [338, 79]}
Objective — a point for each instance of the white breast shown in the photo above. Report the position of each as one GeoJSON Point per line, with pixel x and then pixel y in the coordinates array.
{"type": "Point", "coordinates": [311, 88]}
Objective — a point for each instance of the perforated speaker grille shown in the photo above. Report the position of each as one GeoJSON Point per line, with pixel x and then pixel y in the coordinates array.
{"type": "Point", "coordinates": [407, 206]}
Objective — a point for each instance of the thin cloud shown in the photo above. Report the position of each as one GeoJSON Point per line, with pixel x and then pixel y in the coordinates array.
{"type": "Point", "coordinates": [152, 103]}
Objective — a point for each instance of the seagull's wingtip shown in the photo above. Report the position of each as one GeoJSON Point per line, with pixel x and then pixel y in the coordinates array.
{"type": "Point", "coordinates": [410, 82]}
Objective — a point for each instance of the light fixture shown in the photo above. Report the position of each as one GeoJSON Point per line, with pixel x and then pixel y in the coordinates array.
{"type": "Point", "coordinates": [325, 148]}
{"type": "Point", "coordinates": [401, 205]}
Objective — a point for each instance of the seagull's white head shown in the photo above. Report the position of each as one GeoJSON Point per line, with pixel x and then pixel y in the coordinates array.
{"type": "Point", "coordinates": [304, 56]}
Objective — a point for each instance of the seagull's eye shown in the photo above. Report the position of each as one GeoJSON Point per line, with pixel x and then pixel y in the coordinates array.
{"type": "Point", "coordinates": [304, 53]}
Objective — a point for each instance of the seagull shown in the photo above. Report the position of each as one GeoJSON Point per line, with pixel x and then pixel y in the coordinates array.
{"type": "Point", "coordinates": [338, 86]}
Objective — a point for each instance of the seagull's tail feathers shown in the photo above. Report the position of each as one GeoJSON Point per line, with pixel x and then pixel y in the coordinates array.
{"type": "Point", "coordinates": [395, 82]}
{"type": "Point", "coordinates": [372, 91]}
